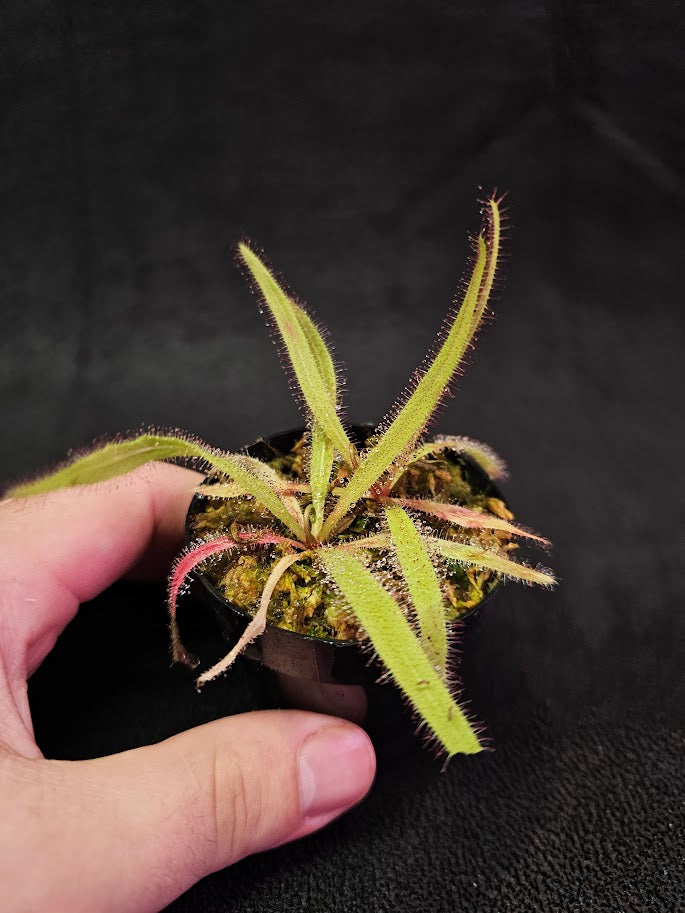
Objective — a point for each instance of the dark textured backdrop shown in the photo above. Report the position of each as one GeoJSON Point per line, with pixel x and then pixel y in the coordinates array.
{"type": "Point", "coordinates": [139, 141]}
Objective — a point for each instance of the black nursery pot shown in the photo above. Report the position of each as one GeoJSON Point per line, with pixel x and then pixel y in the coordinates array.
{"type": "Point", "coordinates": [322, 674]}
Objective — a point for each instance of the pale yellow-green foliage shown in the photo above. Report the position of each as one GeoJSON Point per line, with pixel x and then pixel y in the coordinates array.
{"type": "Point", "coordinates": [107, 462]}
{"type": "Point", "coordinates": [225, 491]}
{"type": "Point", "coordinates": [482, 454]}
{"type": "Point", "coordinates": [407, 626]}
{"type": "Point", "coordinates": [480, 557]}
{"type": "Point", "coordinates": [118, 458]}
{"type": "Point", "coordinates": [322, 449]}
{"type": "Point", "coordinates": [412, 418]}
{"type": "Point", "coordinates": [306, 351]}
{"type": "Point", "coordinates": [494, 232]}
{"type": "Point", "coordinates": [422, 583]}
{"type": "Point", "coordinates": [401, 652]}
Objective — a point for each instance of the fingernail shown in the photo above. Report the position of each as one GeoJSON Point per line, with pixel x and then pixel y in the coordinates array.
{"type": "Point", "coordinates": [336, 766]}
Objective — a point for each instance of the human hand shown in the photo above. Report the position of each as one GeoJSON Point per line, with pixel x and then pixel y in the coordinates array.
{"type": "Point", "coordinates": [132, 831]}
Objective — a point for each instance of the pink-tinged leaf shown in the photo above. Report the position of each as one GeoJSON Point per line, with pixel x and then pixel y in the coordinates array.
{"type": "Point", "coordinates": [462, 516]}
{"type": "Point", "coordinates": [187, 563]}
{"type": "Point", "coordinates": [256, 626]}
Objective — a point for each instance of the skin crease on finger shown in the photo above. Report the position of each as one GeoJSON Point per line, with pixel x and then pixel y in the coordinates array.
{"type": "Point", "coordinates": [130, 832]}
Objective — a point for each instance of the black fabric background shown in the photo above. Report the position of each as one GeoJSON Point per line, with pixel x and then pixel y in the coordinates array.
{"type": "Point", "coordinates": [139, 141]}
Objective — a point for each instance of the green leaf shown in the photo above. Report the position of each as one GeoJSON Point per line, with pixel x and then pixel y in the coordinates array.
{"type": "Point", "coordinates": [482, 454]}
{"type": "Point", "coordinates": [319, 351]}
{"type": "Point", "coordinates": [493, 233]}
{"type": "Point", "coordinates": [106, 462]}
{"type": "Point", "coordinates": [225, 491]}
{"type": "Point", "coordinates": [422, 583]}
{"type": "Point", "coordinates": [400, 651]}
{"type": "Point", "coordinates": [321, 456]}
{"type": "Point", "coordinates": [480, 557]}
{"type": "Point", "coordinates": [271, 479]}
{"type": "Point", "coordinates": [306, 350]}
{"type": "Point", "coordinates": [322, 448]}
{"type": "Point", "coordinates": [376, 542]}
{"type": "Point", "coordinates": [118, 458]}
{"type": "Point", "coordinates": [412, 418]}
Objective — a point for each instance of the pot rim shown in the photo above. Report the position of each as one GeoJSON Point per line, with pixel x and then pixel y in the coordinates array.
{"type": "Point", "coordinates": [360, 428]}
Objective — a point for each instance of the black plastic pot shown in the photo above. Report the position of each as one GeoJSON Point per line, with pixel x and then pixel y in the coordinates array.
{"type": "Point", "coordinates": [331, 676]}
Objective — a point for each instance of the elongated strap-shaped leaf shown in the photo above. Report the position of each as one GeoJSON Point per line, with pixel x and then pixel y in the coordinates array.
{"type": "Point", "coordinates": [182, 567]}
{"type": "Point", "coordinates": [380, 541]}
{"type": "Point", "coordinates": [223, 490]}
{"type": "Point", "coordinates": [422, 583]}
{"type": "Point", "coordinates": [186, 564]}
{"type": "Point", "coordinates": [470, 519]}
{"type": "Point", "coordinates": [273, 481]}
{"type": "Point", "coordinates": [480, 557]}
{"type": "Point", "coordinates": [227, 490]}
{"type": "Point", "coordinates": [482, 454]}
{"type": "Point", "coordinates": [319, 351]}
{"type": "Point", "coordinates": [400, 651]}
{"type": "Point", "coordinates": [321, 456]}
{"type": "Point", "coordinates": [107, 462]}
{"type": "Point", "coordinates": [493, 235]}
{"type": "Point", "coordinates": [257, 624]}
{"type": "Point", "coordinates": [413, 416]}
{"type": "Point", "coordinates": [322, 448]}
{"type": "Point", "coordinates": [121, 457]}
{"type": "Point", "coordinates": [307, 364]}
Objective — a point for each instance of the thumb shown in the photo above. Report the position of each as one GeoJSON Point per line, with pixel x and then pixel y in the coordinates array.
{"type": "Point", "coordinates": [132, 831]}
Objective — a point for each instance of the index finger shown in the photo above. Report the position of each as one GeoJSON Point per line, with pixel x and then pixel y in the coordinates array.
{"type": "Point", "coordinates": [63, 548]}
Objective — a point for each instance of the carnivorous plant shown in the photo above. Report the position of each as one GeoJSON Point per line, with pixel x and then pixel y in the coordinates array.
{"type": "Point", "coordinates": [347, 529]}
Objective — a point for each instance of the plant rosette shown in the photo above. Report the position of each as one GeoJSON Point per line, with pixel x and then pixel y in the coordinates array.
{"type": "Point", "coordinates": [319, 652]}
{"type": "Point", "coordinates": [342, 547]}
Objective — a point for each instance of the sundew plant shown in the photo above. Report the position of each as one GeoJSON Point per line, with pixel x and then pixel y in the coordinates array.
{"type": "Point", "coordinates": [393, 581]}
